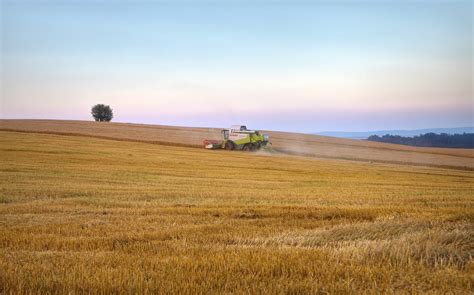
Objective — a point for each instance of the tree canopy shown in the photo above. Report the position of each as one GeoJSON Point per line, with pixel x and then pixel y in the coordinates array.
{"type": "Point", "coordinates": [102, 113]}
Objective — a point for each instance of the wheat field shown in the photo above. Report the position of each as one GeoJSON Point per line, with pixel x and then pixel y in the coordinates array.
{"type": "Point", "coordinates": [284, 142]}
{"type": "Point", "coordinates": [90, 215]}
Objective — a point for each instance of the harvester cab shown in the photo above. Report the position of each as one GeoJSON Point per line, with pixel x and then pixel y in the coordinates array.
{"type": "Point", "coordinates": [238, 137]}
{"type": "Point", "coordinates": [225, 134]}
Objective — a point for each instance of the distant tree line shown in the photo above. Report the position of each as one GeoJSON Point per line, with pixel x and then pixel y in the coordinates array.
{"type": "Point", "coordinates": [465, 140]}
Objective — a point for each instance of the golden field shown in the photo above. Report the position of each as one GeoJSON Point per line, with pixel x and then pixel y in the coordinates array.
{"type": "Point", "coordinates": [283, 142]}
{"type": "Point", "coordinates": [82, 214]}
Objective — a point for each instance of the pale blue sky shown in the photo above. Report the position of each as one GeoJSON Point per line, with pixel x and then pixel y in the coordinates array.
{"type": "Point", "coordinates": [301, 66]}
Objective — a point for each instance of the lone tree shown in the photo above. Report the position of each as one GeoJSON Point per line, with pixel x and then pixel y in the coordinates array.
{"type": "Point", "coordinates": [102, 113]}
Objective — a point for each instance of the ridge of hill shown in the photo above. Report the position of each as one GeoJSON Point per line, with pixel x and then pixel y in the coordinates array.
{"type": "Point", "coordinates": [284, 142]}
{"type": "Point", "coordinates": [409, 133]}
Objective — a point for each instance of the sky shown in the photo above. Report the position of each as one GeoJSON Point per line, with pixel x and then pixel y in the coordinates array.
{"type": "Point", "coordinates": [304, 66]}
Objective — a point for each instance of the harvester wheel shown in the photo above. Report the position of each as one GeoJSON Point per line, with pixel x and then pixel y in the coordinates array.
{"type": "Point", "coordinates": [247, 147]}
{"type": "Point", "coordinates": [229, 146]}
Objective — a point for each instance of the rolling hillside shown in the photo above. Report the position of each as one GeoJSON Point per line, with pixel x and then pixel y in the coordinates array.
{"type": "Point", "coordinates": [284, 142]}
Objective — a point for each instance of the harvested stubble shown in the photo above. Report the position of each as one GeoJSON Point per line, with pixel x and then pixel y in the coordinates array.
{"type": "Point", "coordinates": [284, 142]}
{"type": "Point", "coordinates": [91, 215]}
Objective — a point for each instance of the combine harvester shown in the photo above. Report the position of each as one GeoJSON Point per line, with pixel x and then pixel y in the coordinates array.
{"type": "Point", "coordinates": [238, 137]}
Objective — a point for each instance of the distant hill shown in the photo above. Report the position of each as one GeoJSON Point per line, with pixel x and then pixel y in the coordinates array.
{"type": "Point", "coordinates": [465, 140]}
{"type": "Point", "coordinates": [284, 143]}
{"type": "Point", "coordinates": [365, 135]}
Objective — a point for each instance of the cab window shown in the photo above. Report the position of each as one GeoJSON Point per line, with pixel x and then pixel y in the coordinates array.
{"type": "Point", "coordinates": [225, 134]}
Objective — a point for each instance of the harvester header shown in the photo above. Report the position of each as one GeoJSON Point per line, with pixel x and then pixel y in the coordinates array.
{"type": "Point", "coordinates": [238, 137]}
